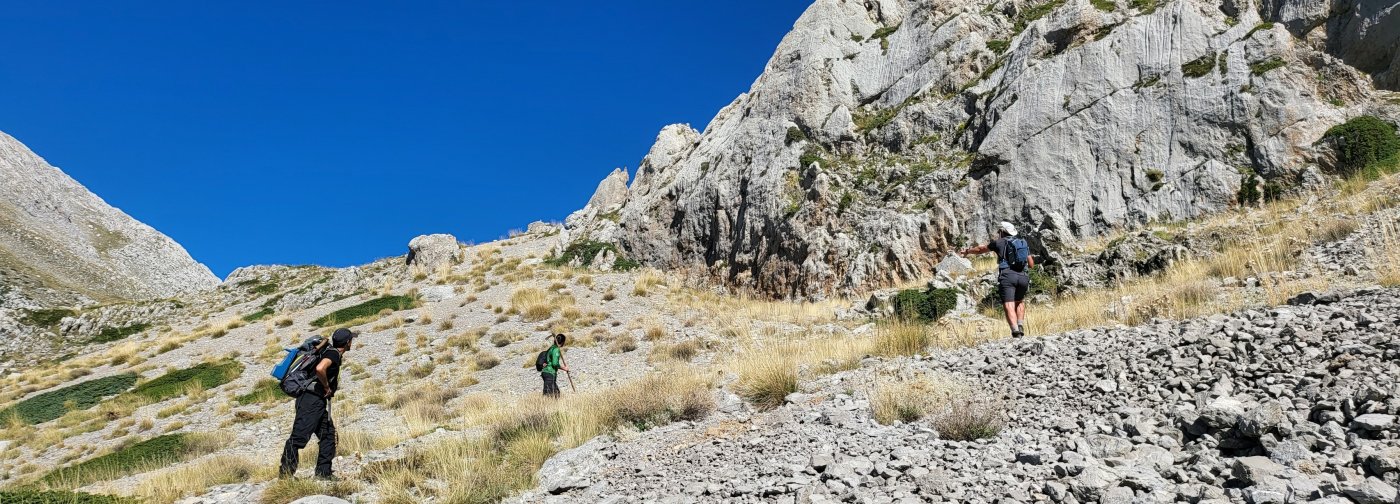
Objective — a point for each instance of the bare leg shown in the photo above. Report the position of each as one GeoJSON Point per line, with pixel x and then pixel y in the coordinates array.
{"type": "Point", "coordinates": [1010, 307]}
{"type": "Point", "coordinates": [1021, 314]}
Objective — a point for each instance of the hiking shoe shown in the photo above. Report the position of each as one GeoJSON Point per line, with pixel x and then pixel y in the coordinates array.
{"type": "Point", "coordinates": [1017, 334]}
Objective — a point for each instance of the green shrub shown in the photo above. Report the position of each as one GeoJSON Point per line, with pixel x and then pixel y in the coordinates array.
{"type": "Point", "coordinates": [813, 154]}
{"type": "Point", "coordinates": [794, 135]}
{"type": "Point", "coordinates": [1042, 282]}
{"type": "Point", "coordinates": [1199, 67]}
{"type": "Point", "coordinates": [366, 309]}
{"type": "Point", "coordinates": [1104, 5]}
{"type": "Point", "coordinates": [998, 46]}
{"type": "Point", "coordinates": [53, 404]}
{"type": "Point", "coordinates": [1261, 26]}
{"type": "Point", "coordinates": [135, 458]}
{"type": "Point", "coordinates": [46, 318]}
{"type": "Point", "coordinates": [586, 250]}
{"type": "Point", "coordinates": [264, 289]}
{"type": "Point", "coordinates": [258, 315]}
{"type": "Point", "coordinates": [927, 305]}
{"type": "Point", "coordinates": [267, 390]}
{"type": "Point", "coordinates": [59, 497]}
{"type": "Point", "coordinates": [1365, 145]}
{"type": "Point", "coordinates": [110, 334]}
{"type": "Point", "coordinates": [172, 384]}
{"type": "Point", "coordinates": [1145, 6]}
{"type": "Point", "coordinates": [884, 32]}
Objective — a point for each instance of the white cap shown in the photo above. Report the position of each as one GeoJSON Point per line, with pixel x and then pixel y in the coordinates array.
{"type": "Point", "coordinates": [1007, 228]}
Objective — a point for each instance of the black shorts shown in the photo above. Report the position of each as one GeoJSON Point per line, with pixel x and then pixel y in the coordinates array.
{"type": "Point", "coordinates": [1013, 285]}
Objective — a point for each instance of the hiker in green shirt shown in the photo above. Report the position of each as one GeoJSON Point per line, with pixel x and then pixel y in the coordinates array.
{"type": "Point", "coordinates": [553, 362]}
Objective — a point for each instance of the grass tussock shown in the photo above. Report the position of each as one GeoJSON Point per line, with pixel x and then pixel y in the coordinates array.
{"type": "Point", "coordinates": [969, 417]}
{"type": "Point", "coordinates": [192, 479]}
{"type": "Point", "coordinates": [535, 305]}
{"type": "Point", "coordinates": [767, 375]}
{"type": "Point", "coordinates": [910, 399]}
{"type": "Point", "coordinates": [284, 491]}
{"type": "Point", "coordinates": [647, 281]}
{"type": "Point", "coordinates": [28, 496]}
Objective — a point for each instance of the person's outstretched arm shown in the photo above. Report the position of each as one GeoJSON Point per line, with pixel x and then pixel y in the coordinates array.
{"type": "Point", "coordinates": [980, 249]}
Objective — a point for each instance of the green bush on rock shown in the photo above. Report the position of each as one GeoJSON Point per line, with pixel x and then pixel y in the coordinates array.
{"type": "Point", "coordinates": [1366, 146]}
{"type": "Point", "coordinates": [928, 306]}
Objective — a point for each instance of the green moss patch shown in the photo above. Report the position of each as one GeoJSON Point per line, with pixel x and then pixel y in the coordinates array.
{"type": "Point", "coordinates": [110, 334]}
{"type": "Point", "coordinates": [172, 384]}
{"type": "Point", "coordinates": [266, 391]}
{"type": "Point", "coordinates": [46, 318]}
{"type": "Point", "coordinates": [1035, 12]}
{"type": "Point", "coordinates": [131, 459]}
{"type": "Point", "coordinates": [59, 497]}
{"type": "Point", "coordinates": [53, 404]}
{"type": "Point", "coordinates": [365, 310]}
{"type": "Point", "coordinates": [258, 315]}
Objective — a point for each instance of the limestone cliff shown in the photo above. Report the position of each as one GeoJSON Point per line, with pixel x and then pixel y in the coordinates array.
{"type": "Point", "coordinates": [884, 132]}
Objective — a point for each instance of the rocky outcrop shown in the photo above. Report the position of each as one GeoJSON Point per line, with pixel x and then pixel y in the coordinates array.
{"type": "Point", "coordinates": [58, 237]}
{"type": "Point", "coordinates": [883, 133]}
{"type": "Point", "coordinates": [598, 220]}
{"type": "Point", "coordinates": [432, 252]}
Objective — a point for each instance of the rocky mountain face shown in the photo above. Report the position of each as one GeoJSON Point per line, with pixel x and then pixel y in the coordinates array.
{"type": "Point", "coordinates": [883, 133]}
{"type": "Point", "coordinates": [60, 244]}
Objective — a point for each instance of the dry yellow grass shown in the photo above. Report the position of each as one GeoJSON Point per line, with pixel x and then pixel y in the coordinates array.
{"type": "Point", "coordinates": [909, 399]}
{"type": "Point", "coordinates": [194, 478]}
{"type": "Point", "coordinates": [1387, 257]}
{"type": "Point", "coordinates": [646, 281]}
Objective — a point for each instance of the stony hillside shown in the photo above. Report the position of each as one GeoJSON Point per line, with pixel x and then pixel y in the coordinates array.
{"type": "Point", "coordinates": [884, 132]}
{"type": "Point", "coordinates": [62, 246]}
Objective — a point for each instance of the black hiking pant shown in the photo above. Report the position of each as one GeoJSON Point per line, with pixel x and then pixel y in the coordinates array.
{"type": "Point", "coordinates": [551, 384]}
{"type": "Point", "coordinates": [313, 417]}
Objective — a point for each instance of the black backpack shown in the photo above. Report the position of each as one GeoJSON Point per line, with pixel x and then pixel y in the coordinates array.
{"type": "Point", "coordinates": [542, 360]}
{"type": "Point", "coordinates": [299, 377]}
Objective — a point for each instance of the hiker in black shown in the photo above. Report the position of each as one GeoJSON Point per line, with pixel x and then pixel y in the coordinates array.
{"type": "Point", "coordinates": [1012, 278]}
{"type": "Point", "coordinates": [314, 411]}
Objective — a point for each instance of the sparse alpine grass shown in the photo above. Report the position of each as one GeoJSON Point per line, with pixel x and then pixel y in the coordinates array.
{"type": "Point", "coordinates": [135, 458]}
{"type": "Point", "coordinates": [365, 311]}
{"type": "Point", "coordinates": [23, 496]}
{"type": "Point", "coordinates": [53, 404]}
{"type": "Point", "coordinates": [193, 479]}
{"type": "Point", "coordinates": [206, 375]}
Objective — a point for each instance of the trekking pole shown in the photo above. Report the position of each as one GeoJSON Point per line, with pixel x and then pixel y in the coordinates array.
{"type": "Point", "coordinates": [571, 381]}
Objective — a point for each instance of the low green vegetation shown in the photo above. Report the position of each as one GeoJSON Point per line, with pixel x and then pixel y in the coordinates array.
{"type": "Point", "coordinates": [46, 318]}
{"type": "Point", "coordinates": [883, 34]}
{"type": "Point", "coordinates": [53, 404]}
{"type": "Point", "coordinates": [1261, 26]}
{"type": "Point", "coordinates": [1254, 190]}
{"type": "Point", "coordinates": [1104, 5]}
{"type": "Point", "coordinates": [794, 135]}
{"type": "Point", "coordinates": [134, 458]}
{"type": "Point", "coordinates": [365, 310]}
{"type": "Point", "coordinates": [110, 334]}
{"type": "Point", "coordinates": [264, 289]}
{"type": "Point", "coordinates": [1145, 6]}
{"type": "Point", "coordinates": [924, 305]}
{"type": "Point", "coordinates": [998, 46]}
{"type": "Point", "coordinates": [1035, 12]}
{"type": "Point", "coordinates": [813, 154]}
{"type": "Point", "coordinates": [262, 313]}
{"type": "Point", "coordinates": [1199, 67]}
{"type": "Point", "coordinates": [267, 390]}
{"type": "Point", "coordinates": [1367, 146]}
{"type": "Point", "coordinates": [586, 250]}
{"type": "Point", "coordinates": [1263, 67]}
{"type": "Point", "coordinates": [173, 384]}
{"type": "Point", "coordinates": [59, 497]}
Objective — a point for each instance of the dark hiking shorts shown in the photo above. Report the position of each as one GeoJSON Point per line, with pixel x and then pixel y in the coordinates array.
{"type": "Point", "coordinates": [1013, 285]}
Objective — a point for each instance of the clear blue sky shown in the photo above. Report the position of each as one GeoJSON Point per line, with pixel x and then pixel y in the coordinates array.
{"type": "Point", "coordinates": [333, 132]}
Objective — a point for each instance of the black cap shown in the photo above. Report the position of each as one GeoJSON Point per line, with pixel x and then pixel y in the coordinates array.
{"type": "Point", "coordinates": [341, 337]}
